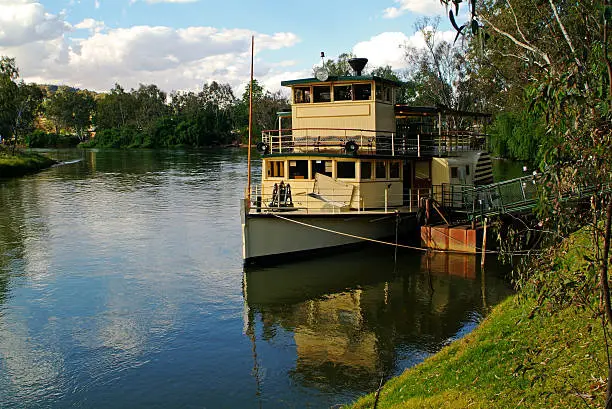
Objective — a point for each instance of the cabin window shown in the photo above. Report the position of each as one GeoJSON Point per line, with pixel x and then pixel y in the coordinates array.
{"type": "Point", "coordinates": [388, 94]}
{"type": "Point", "coordinates": [381, 170]}
{"type": "Point", "coordinates": [366, 170]}
{"type": "Point", "coordinates": [383, 92]}
{"type": "Point", "coordinates": [379, 91]}
{"type": "Point", "coordinates": [323, 167]}
{"type": "Point", "coordinates": [298, 169]}
{"type": "Point", "coordinates": [454, 172]}
{"type": "Point", "coordinates": [343, 93]}
{"type": "Point", "coordinates": [301, 95]}
{"type": "Point", "coordinates": [362, 92]}
{"type": "Point", "coordinates": [275, 168]}
{"type": "Point", "coordinates": [394, 170]}
{"type": "Point", "coordinates": [345, 170]}
{"type": "Point", "coordinates": [321, 93]}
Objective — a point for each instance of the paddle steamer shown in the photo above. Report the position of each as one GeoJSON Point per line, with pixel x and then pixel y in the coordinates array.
{"type": "Point", "coordinates": [355, 165]}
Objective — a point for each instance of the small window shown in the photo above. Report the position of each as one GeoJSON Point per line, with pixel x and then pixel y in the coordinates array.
{"type": "Point", "coordinates": [362, 92]}
{"type": "Point", "coordinates": [301, 95]}
{"type": "Point", "coordinates": [366, 170]}
{"type": "Point", "coordinates": [343, 93]}
{"type": "Point", "coordinates": [323, 167]}
{"type": "Point", "coordinates": [298, 169]}
{"type": "Point", "coordinates": [388, 94]}
{"type": "Point", "coordinates": [379, 91]}
{"type": "Point", "coordinates": [381, 170]}
{"type": "Point", "coordinates": [275, 168]}
{"type": "Point", "coordinates": [321, 93]}
{"type": "Point", "coordinates": [394, 170]}
{"type": "Point", "coordinates": [467, 170]}
{"type": "Point", "coordinates": [454, 172]}
{"type": "Point", "coordinates": [345, 170]}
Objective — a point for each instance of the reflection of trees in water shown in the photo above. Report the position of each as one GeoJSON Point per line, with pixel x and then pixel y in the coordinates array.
{"type": "Point", "coordinates": [348, 339]}
{"type": "Point", "coordinates": [12, 245]}
{"type": "Point", "coordinates": [22, 225]}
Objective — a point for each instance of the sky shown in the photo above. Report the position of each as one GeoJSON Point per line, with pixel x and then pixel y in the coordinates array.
{"type": "Point", "coordinates": [181, 44]}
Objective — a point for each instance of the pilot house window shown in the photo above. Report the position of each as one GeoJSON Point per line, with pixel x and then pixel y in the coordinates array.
{"type": "Point", "coordinates": [321, 93]}
{"type": "Point", "coordinates": [362, 91]}
{"type": "Point", "coordinates": [301, 95]}
{"type": "Point", "coordinates": [343, 93]}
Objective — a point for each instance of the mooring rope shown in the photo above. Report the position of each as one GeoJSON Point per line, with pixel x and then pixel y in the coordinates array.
{"type": "Point", "coordinates": [387, 243]}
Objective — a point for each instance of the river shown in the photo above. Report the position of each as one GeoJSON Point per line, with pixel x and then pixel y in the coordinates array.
{"type": "Point", "coordinates": [122, 286]}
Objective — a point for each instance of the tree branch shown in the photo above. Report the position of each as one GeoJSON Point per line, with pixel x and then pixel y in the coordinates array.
{"type": "Point", "coordinates": [519, 43]}
{"type": "Point", "coordinates": [564, 31]}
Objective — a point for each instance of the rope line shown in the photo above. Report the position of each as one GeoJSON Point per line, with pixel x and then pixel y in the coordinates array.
{"type": "Point", "coordinates": [406, 246]}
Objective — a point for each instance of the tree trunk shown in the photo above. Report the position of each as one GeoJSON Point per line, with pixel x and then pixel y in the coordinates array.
{"type": "Point", "coordinates": [605, 289]}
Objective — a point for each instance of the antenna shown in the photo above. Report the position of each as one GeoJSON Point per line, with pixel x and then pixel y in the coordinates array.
{"type": "Point", "coordinates": [321, 73]}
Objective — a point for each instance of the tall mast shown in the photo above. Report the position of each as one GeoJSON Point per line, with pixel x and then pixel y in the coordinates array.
{"type": "Point", "coordinates": [248, 192]}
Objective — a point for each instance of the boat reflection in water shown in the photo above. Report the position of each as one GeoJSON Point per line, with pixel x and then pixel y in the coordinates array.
{"type": "Point", "coordinates": [360, 316]}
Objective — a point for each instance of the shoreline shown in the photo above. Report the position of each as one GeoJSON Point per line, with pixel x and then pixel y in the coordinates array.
{"type": "Point", "coordinates": [22, 164]}
{"type": "Point", "coordinates": [518, 356]}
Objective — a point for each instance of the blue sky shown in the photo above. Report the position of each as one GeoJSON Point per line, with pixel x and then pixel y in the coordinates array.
{"type": "Point", "coordinates": [180, 44]}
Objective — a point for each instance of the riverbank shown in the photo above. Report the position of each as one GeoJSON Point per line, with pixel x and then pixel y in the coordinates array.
{"type": "Point", "coordinates": [22, 163]}
{"type": "Point", "coordinates": [515, 358]}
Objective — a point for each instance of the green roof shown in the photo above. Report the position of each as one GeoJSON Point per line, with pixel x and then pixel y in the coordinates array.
{"type": "Point", "coordinates": [346, 78]}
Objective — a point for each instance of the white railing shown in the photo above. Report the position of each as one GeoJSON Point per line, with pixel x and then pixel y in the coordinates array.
{"type": "Point", "coordinates": [367, 142]}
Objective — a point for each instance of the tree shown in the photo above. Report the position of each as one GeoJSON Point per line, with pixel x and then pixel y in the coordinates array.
{"type": "Point", "coordinates": [562, 50]}
{"type": "Point", "coordinates": [437, 71]}
{"type": "Point", "coordinates": [340, 67]}
{"type": "Point", "coordinates": [19, 102]}
{"type": "Point", "coordinates": [265, 107]}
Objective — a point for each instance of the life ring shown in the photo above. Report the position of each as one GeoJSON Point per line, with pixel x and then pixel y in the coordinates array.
{"type": "Point", "coordinates": [351, 147]}
{"type": "Point", "coordinates": [262, 147]}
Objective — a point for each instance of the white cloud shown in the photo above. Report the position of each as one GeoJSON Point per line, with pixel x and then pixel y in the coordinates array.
{"type": "Point", "coordinates": [425, 7]}
{"type": "Point", "coordinates": [174, 59]}
{"type": "Point", "coordinates": [389, 48]}
{"type": "Point", "coordinates": [24, 22]}
{"type": "Point", "coordinates": [91, 25]}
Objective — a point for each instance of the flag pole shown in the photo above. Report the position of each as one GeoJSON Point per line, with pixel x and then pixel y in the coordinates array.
{"type": "Point", "coordinates": [248, 192]}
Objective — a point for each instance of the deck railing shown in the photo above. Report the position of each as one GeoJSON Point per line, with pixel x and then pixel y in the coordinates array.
{"type": "Point", "coordinates": [369, 142]}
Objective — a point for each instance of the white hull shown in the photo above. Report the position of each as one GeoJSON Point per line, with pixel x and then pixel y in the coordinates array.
{"type": "Point", "coordinates": [270, 234]}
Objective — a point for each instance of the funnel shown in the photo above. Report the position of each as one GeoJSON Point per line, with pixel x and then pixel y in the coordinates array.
{"type": "Point", "coordinates": [357, 64]}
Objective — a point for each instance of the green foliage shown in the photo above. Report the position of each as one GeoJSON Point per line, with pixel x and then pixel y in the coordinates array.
{"type": "Point", "coordinates": [42, 139]}
{"type": "Point", "coordinates": [518, 136]}
{"type": "Point", "coordinates": [20, 163]}
{"type": "Point", "coordinates": [526, 353]}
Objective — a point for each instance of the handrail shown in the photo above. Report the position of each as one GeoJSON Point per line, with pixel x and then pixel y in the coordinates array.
{"type": "Point", "coordinates": [370, 142]}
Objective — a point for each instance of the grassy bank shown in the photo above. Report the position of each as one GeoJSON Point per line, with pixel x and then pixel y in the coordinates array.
{"type": "Point", "coordinates": [22, 163]}
{"type": "Point", "coordinates": [515, 359]}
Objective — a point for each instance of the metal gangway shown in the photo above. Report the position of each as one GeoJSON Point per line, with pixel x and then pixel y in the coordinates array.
{"type": "Point", "coordinates": [514, 196]}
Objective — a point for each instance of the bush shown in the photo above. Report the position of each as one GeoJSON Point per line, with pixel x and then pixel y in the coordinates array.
{"type": "Point", "coordinates": [42, 139]}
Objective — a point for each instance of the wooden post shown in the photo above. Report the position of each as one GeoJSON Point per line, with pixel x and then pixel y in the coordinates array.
{"type": "Point", "coordinates": [484, 244]}
{"type": "Point", "coordinates": [248, 192]}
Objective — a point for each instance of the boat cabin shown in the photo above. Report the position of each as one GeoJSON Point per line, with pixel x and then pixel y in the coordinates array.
{"type": "Point", "coordinates": [351, 147]}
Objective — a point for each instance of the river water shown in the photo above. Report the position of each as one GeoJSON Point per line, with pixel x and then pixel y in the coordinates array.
{"type": "Point", "coordinates": [122, 286]}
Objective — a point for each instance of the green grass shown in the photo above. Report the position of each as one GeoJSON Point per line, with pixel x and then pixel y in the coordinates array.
{"type": "Point", "coordinates": [22, 163]}
{"type": "Point", "coordinates": [515, 359]}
